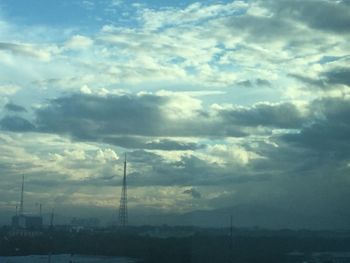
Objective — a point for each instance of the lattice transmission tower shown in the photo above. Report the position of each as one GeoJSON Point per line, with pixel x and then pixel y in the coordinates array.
{"type": "Point", "coordinates": [21, 204]}
{"type": "Point", "coordinates": [123, 207]}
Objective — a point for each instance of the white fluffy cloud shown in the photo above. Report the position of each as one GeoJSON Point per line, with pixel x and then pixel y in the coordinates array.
{"type": "Point", "coordinates": [79, 42]}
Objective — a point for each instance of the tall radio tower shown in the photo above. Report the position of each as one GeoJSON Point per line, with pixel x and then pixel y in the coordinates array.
{"type": "Point", "coordinates": [123, 208]}
{"type": "Point", "coordinates": [21, 202]}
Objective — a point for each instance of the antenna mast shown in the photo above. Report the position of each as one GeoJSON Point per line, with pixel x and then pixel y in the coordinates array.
{"type": "Point", "coordinates": [51, 218]}
{"type": "Point", "coordinates": [123, 208]}
{"type": "Point", "coordinates": [231, 241]}
{"type": "Point", "coordinates": [21, 203]}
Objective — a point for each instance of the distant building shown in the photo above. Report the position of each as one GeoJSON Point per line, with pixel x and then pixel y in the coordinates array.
{"type": "Point", "coordinates": [79, 224]}
{"type": "Point", "coordinates": [32, 222]}
{"type": "Point", "coordinates": [165, 232]}
{"type": "Point", "coordinates": [22, 221]}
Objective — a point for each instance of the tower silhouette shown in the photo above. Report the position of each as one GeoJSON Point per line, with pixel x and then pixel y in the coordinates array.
{"type": "Point", "coordinates": [21, 205]}
{"type": "Point", "coordinates": [123, 208]}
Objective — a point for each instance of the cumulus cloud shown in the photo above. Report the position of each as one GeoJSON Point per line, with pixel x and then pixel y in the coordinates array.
{"type": "Point", "coordinates": [9, 89]}
{"type": "Point", "coordinates": [79, 42]}
{"type": "Point", "coordinates": [106, 155]}
{"type": "Point", "coordinates": [28, 50]}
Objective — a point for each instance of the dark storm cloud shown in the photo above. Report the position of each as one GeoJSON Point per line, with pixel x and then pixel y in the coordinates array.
{"type": "Point", "coordinates": [338, 76]}
{"type": "Point", "coordinates": [16, 124]}
{"type": "Point", "coordinates": [262, 29]}
{"type": "Point", "coordinates": [327, 80]}
{"type": "Point", "coordinates": [332, 16]}
{"type": "Point", "coordinates": [101, 118]}
{"type": "Point", "coordinates": [284, 115]}
{"type": "Point", "coordinates": [311, 82]}
{"type": "Point", "coordinates": [142, 121]}
{"type": "Point", "coordinates": [14, 107]}
{"type": "Point", "coordinates": [319, 152]}
{"type": "Point", "coordinates": [89, 116]}
{"type": "Point", "coordinates": [115, 118]}
{"type": "Point", "coordinates": [330, 128]}
{"type": "Point", "coordinates": [321, 146]}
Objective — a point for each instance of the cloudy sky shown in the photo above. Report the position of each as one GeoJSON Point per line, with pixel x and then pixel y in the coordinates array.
{"type": "Point", "coordinates": [217, 103]}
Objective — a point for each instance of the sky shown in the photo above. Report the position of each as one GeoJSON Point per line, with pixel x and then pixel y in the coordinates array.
{"type": "Point", "coordinates": [219, 105]}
